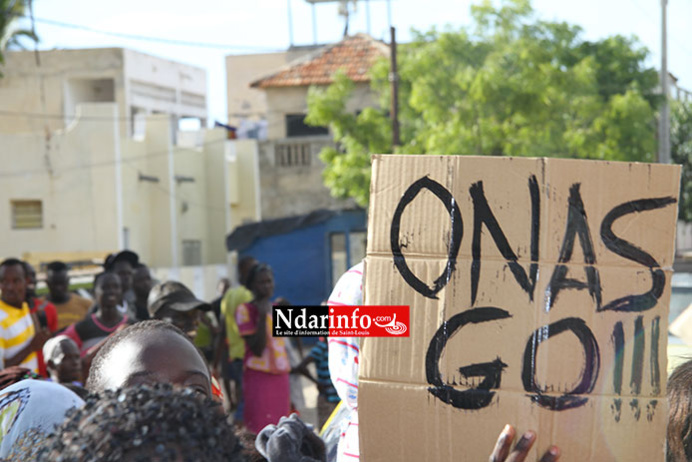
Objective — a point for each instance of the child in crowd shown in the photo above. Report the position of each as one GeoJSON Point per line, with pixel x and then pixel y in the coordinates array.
{"type": "Point", "coordinates": [141, 286]}
{"type": "Point", "coordinates": [90, 333]}
{"type": "Point", "coordinates": [265, 377]}
{"type": "Point", "coordinates": [71, 308]}
{"type": "Point", "coordinates": [64, 363]}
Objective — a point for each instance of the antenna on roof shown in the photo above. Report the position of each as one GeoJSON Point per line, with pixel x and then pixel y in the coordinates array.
{"type": "Point", "coordinates": [290, 23]}
{"type": "Point", "coordinates": [346, 10]}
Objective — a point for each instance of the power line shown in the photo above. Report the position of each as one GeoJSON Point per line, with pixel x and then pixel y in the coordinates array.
{"type": "Point", "coordinates": [38, 115]}
{"type": "Point", "coordinates": [126, 161]}
{"type": "Point", "coordinates": [219, 46]}
{"type": "Point", "coordinates": [680, 43]}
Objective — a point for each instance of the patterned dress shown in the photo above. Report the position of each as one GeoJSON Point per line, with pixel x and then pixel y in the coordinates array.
{"type": "Point", "coordinates": [265, 378]}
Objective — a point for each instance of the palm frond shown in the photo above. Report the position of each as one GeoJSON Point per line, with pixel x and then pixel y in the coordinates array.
{"type": "Point", "coordinates": [14, 39]}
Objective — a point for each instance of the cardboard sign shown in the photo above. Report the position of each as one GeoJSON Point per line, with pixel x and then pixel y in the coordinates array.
{"type": "Point", "coordinates": [539, 293]}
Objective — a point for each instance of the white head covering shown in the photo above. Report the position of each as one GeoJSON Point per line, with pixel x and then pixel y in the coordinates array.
{"type": "Point", "coordinates": [52, 344]}
{"type": "Point", "coordinates": [32, 405]}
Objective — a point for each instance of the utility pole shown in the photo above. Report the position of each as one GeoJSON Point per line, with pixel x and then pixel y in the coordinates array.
{"type": "Point", "coordinates": [394, 84]}
{"type": "Point", "coordinates": [664, 118]}
{"type": "Point", "coordinates": [290, 22]}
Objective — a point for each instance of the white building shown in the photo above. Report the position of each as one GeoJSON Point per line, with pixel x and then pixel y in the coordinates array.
{"type": "Point", "coordinates": [36, 95]}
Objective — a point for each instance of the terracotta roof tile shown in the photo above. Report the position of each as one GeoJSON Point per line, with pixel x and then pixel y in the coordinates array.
{"type": "Point", "coordinates": [355, 55]}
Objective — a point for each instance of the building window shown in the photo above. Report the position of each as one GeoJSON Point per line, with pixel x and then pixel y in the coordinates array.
{"type": "Point", "coordinates": [296, 126]}
{"type": "Point", "coordinates": [293, 154]}
{"type": "Point", "coordinates": [356, 243]}
{"type": "Point", "coordinates": [192, 252]}
{"type": "Point", "coordinates": [347, 250]}
{"type": "Point", "coordinates": [27, 214]}
{"type": "Point", "coordinates": [338, 255]}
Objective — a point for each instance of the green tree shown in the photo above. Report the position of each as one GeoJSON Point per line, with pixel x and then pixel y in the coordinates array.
{"type": "Point", "coordinates": [681, 153]}
{"type": "Point", "coordinates": [11, 13]}
{"type": "Point", "coordinates": [509, 84]}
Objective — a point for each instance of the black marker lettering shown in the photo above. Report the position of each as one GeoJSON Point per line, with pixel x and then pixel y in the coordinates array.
{"type": "Point", "coordinates": [616, 408]}
{"type": "Point", "coordinates": [655, 371]}
{"type": "Point", "coordinates": [455, 241]}
{"type": "Point", "coordinates": [577, 224]}
{"type": "Point", "coordinates": [634, 406]}
{"type": "Point", "coordinates": [651, 410]}
{"type": "Point", "coordinates": [483, 215]}
{"type": "Point", "coordinates": [633, 253]}
{"type": "Point", "coordinates": [619, 342]}
{"type": "Point", "coordinates": [588, 375]}
{"type": "Point", "coordinates": [638, 356]}
{"type": "Point", "coordinates": [474, 398]}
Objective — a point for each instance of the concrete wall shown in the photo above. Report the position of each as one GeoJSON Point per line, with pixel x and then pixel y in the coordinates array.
{"type": "Point", "coordinates": [156, 84]}
{"type": "Point", "coordinates": [285, 190]}
{"type": "Point", "coordinates": [101, 192]}
{"type": "Point", "coordinates": [243, 181]}
{"type": "Point", "coordinates": [297, 189]}
{"type": "Point", "coordinates": [245, 102]}
{"type": "Point", "coordinates": [293, 100]}
{"type": "Point", "coordinates": [48, 93]}
{"type": "Point", "coordinates": [74, 174]}
{"type": "Point", "coordinates": [44, 88]}
{"type": "Point", "coordinates": [241, 70]}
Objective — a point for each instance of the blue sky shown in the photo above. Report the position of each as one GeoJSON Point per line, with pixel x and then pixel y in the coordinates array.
{"type": "Point", "coordinates": [262, 25]}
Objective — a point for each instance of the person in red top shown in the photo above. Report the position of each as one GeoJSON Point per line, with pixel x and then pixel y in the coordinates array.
{"type": "Point", "coordinates": [46, 313]}
{"type": "Point", "coordinates": [91, 332]}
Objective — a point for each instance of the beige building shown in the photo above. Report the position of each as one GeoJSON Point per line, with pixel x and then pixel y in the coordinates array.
{"type": "Point", "coordinates": [78, 186]}
{"type": "Point", "coordinates": [248, 104]}
{"type": "Point", "coordinates": [290, 168]}
{"type": "Point", "coordinates": [172, 203]}
{"type": "Point", "coordinates": [36, 96]}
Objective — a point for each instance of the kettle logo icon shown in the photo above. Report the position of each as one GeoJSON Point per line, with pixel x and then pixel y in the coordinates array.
{"type": "Point", "coordinates": [393, 327]}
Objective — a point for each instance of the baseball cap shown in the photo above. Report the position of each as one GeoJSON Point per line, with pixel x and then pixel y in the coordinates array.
{"type": "Point", "coordinates": [173, 295]}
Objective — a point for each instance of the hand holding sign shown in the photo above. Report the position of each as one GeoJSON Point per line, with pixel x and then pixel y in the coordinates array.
{"type": "Point", "coordinates": [502, 453]}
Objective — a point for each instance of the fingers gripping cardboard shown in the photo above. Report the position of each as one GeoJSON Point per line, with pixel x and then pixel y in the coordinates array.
{"type": "Point", "coordinates": [539, 293]}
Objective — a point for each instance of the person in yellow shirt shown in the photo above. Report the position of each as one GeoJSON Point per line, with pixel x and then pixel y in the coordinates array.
{"type": "Point", "coordinates": [20, 335]}
{"type": "Point", "coordinates": [231, 348]}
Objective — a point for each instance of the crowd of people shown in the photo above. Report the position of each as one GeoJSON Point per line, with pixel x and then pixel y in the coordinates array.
{"type": "Point", "coordinates": [135, 334]}
{"type": "Point", "coordinates": [147, 371]}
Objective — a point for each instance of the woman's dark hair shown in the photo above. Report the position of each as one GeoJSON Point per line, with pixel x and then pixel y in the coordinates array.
{"type": "Point", "coordinates": [679, 437]}
{"type": "Point", "coordinates": [254, 272]}
{"type": "Point", "coordinates": [141, 424]}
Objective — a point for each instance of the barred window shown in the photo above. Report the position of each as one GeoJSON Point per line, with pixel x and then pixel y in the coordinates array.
{"type": "Point", "coordinates": [192, 252]}
{"type": "Point", "coordinates": [293, 154]}
{"type": "Point", "coordinates": [27, 214]}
